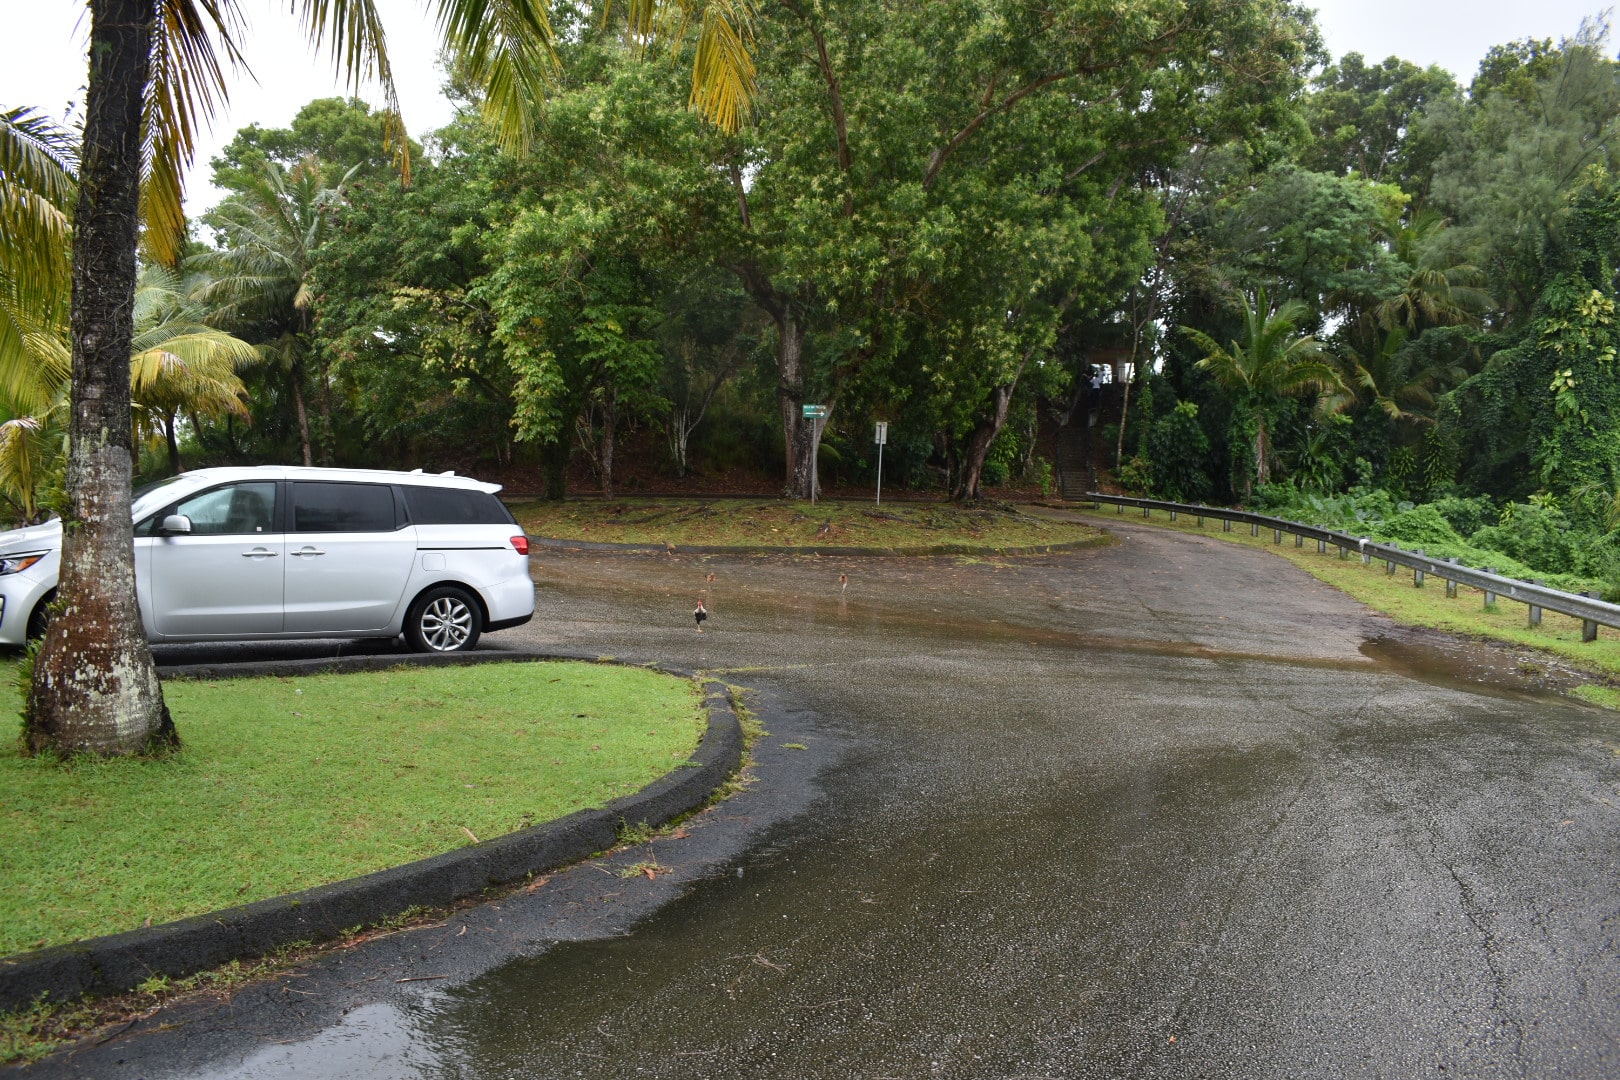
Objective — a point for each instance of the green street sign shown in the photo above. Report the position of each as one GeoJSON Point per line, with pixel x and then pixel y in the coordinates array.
{"type": "Point", "coordinates": [815, 412]}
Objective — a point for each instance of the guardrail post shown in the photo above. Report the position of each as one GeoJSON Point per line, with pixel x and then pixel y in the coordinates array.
{"type": "Point", "coordinates": [1366, 556]}
{"type": "Point", "coordinates": [1588, 627]}
{"type": "Point", "coordinates": [1119, 508]}
{"type": "Point", "coordinates": [1299, 540]}
{"type": "Point", "coordinates": [1254, 528]}
{"type": "Point", "coordinates": [1535, 609]}
{"type": "Point", "coordinates": [1226, 525]}
{"type": "Point", "coordinates": [1276, 536]}
{"type": "Point", "coordinates": [1172, 515]}
{"type": "Point", "coordinates": [1344, 552]}
{"type": "Point", "coordinates": [1389, 567]}
{"type": "Point", "coordinates": [1146, 512]}
{"type": "Point", "coordinates": [1417, 574]}
{"type": "Point", "coordinates": [1490, 597]}
{"type": "Point", "coordinates": [1451, 584]}
{"type": "Point", "coordinates": [1321, 547]}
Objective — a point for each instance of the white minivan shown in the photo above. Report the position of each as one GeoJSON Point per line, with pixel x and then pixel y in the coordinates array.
{"type": "Point", "coordinates": [286, 552]}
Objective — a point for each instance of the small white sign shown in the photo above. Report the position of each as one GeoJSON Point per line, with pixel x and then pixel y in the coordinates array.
{"type": "Point", "coordinates": [882, 436]}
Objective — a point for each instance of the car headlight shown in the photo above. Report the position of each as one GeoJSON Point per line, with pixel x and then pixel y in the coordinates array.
{"type": "Point", "coordinates": [10, 564]}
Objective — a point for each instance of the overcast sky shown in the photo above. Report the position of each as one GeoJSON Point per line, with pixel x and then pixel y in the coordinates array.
{"type": "Point", "coordinates": [49, 69]}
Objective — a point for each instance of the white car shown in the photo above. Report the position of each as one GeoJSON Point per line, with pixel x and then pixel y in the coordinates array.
{"type": "Point", "coordinates": [284, 552]}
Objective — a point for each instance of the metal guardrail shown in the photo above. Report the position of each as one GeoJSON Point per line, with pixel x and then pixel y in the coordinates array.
{"type": "Point", "coordinates": [1589, 609]}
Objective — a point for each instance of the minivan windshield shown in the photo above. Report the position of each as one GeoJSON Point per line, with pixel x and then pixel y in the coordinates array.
{"type": "Point", "coordinates": [153, 496]}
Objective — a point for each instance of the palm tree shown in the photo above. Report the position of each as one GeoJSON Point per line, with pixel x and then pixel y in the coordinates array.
{"type": "Point", "coordinates": [260, 278]}
{"type": "Point", "coordinates": [180, 366]}
{"type": "Point", "coordinates": [1398, 380]}
{"type": "Point", "coordinates": [1270, 360]}
{"type": "Point", "coordinates": [156, 74]}
{"type": "Point", "coordinates": [1439, 290]}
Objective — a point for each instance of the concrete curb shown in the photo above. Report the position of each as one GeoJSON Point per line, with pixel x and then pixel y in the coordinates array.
{"type": "Point", "coordinates": [121, 962]}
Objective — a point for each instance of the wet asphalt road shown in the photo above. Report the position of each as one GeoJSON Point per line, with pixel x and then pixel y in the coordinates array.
{"type": "Point", "coordinates": [1150, 810]}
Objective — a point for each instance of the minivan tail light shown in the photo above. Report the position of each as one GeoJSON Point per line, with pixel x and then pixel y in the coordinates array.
{"type": "Point", "coordinates": [521, 544]}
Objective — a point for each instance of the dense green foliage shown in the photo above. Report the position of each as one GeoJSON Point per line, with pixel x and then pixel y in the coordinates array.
{"type": "Point", "coordinates": [926, 198]}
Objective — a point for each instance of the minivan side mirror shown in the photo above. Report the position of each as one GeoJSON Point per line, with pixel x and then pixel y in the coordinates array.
{"type": "Point", "coordinates": [177, 523]}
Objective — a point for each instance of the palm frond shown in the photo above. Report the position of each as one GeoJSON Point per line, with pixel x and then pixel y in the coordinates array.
{"type": "Point", "coordinates": [31, 448]}
{"type": "Point", "coordinates": [508, 48]}
{"type": "Point", "coordinates": [360, 51]}
{"type": "Point", "coordinates": [723, 73]}
{"type": "Point", "coordinates": [723, 70]}
{"type": "Point", "coordinates": [194, 42]}
{"type": "Point", "coordinates": [37, 190]}
{"type": "Point", "coordinates": [192, 371]}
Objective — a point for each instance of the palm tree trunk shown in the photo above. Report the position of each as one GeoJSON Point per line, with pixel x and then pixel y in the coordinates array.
{"type": "Point", "coordinates": [95, 688]}
{"type": "Point", "coordinates": [1262, 452]}
{"type": "Point", "coordinates": [297, 380]}
{"type": "Point", "coordinates": [169, 423]}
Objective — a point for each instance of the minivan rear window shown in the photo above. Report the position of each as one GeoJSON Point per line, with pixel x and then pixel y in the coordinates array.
{"type": "Point", "coordinates": [337, 507]}
{"type": "Point", "coordinates": [454, 506]}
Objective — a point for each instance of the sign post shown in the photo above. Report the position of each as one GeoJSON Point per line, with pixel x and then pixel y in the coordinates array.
{"type": "Point", "coordinates": [880, 438]}
{"type": "Point", "coordinates": [816, 414]}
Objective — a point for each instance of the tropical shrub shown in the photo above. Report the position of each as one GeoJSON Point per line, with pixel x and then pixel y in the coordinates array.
{"type": "Point", "coordinates": [1538, 536]}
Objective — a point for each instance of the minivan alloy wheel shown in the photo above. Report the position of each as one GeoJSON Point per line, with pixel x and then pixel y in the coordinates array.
{"type": "Point", "coordinates": [444, 620]}
{"type": "Point", "coordinates": [446, 623]}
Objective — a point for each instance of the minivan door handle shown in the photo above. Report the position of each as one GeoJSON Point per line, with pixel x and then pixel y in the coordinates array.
{"type": "Point", "coordinates": [259, 553]}
{"type": "Point", "coordinates": [309, 551]}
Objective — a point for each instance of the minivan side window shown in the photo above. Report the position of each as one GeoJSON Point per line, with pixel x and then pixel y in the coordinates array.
{"type": "Point", "coordinates": [319, 506]}
{"type": "Point", "coordinates": [454, 506]}
{"type": "Point", "coordinates": [233, 510]}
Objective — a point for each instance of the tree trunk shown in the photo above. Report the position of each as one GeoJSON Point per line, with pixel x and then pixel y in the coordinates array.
{"type": "Point", "coordinates": [296, 377]}
{"type": "Point", "coordinates": [797, 435]}
{"type": "Point", "coordinates": [1262, 452]}
{"type": "Point", "coordinates": [326, 412]}
{"type": "Point", "coordinates": [680, 433]}
{"type": "Point", "coordinates": [555, 457]}
{"type": "Point", "coordinates": [984, 434]}
{"type": "Point", "coordinates": [610, 420]}
{"type": "Point", "coordinates": [1124, 415]}
{"type": "Point", "coordinates": [95, 688]}
{"type": "Point", "coordinates": [169, 423]}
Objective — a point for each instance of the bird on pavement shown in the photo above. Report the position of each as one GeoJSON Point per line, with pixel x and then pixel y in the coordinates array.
{"type": "Point", "coordinates": [843, 582]}
{"type": "Point", "coordinates": [700, 614]}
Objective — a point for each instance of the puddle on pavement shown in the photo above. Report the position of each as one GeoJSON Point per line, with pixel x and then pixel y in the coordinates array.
{"type": "Point", "coordinates": [1474, 667]}
{"type": "Point", "coordinates": [863, 945]}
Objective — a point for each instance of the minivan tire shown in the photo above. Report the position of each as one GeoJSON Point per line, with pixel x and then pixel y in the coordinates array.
{"type": "Point", "coordinates": [444, 620]}
{"type": "Point", "coordinates": [40, 617]}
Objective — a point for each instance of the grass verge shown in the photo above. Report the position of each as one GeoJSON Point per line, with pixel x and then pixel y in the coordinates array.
{"type": "Point", "coordinates": [290, 782]}
{"type": "Point", "coordinates": [1395, 595]}
{"type": "Point", "coordinates": [780, 523]}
